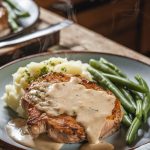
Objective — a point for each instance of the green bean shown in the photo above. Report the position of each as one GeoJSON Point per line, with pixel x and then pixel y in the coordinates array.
{"type": "Point", "coordinates": [131, 116]}
{"type": "Point", "coordinates": [128, 96]}
{"type": "Point", "coordinates": [11, 17]}
{"type": "Point", "coordinates": [106, 76]}
{"type": "Point", "coordinates": [12, 4]}
{"type": "Point", "coordinates": [10, 10]}
{"type": "Point", "coordinates": [125, 82]}
{"type": "Point", "coordinates": [139, 110]}
{"type": "Point", "coordinates": [100, 78]}
{"type": "Point", "coordinates": [114, 67]}
{"type": "Point", "coordinates": [126, 120]}
{"type": "Point", "coordinates": [133, 130]}
{"type": "Point", "coordinates": [142, 82]}
{"type": "Point", "coordinates": [15, 9]}
{"type": "Point", "coordinates": [13, 24]}
{"type": "Point", "coordinates": [102, 67]}
{"type": "Point", "coordinates": [136, 95]}
{"type": "Point", "coordinates": [23, 14]}
{"type": "Point", "coordinates": [146, 97]}
{"type": "Point", "coordinates": [146, 107]}
{"type": "Point", "coordinates": [135, 125]}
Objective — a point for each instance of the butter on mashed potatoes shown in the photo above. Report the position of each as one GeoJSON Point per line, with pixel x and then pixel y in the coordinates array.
{"type": "Point", "coordinates": [25, 75]}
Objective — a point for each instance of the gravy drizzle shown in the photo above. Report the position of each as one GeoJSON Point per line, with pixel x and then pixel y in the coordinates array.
{"type": "Point", "coordinates": [17, 130]}
{"type": "Point", "coordinates": [91, 107]}
{"type": "Point", "coordinates": [99, 146]}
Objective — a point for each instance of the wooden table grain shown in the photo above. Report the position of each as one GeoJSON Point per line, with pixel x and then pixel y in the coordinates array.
{"type": "Point", "coordinates": [79, 38]}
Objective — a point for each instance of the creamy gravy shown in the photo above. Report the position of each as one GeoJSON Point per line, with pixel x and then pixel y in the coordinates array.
{"type": "Point", "coordinates": [90, 107]}
{"type": "Point", "coordinates": [99, 146]}
{"type": "Point", "coordinates": [17, 130]}
{"type": "Point", "coordinates": [43, 143]}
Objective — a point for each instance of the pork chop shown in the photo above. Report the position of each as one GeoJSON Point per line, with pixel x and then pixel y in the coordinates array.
{"type": "Point", "coordinates": [64, 128]}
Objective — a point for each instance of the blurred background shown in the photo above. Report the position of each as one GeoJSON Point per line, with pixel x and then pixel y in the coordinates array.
{"type": "Point", "coordinates": [124, 21]}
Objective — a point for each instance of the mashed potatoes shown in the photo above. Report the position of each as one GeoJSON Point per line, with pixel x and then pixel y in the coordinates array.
{"type": "Point", "coordinates": [25, 75]}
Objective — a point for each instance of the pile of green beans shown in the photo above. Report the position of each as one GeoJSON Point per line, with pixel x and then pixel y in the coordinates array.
{"type": "Point", "coordinates": [134, 97]}
{"type": "Point", "coordinates": [14, 14]}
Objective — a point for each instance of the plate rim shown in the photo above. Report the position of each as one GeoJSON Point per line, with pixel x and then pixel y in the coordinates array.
{"type": "Point", "coordinates": [69, 52]}
{"type": "Point", "coordinates": [9, 36]}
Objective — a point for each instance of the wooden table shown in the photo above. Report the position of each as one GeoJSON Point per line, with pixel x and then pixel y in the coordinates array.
{"type": "Point", "coordinates": [79, 38]}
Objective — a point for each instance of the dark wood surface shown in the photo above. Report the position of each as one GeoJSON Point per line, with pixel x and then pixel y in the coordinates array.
{"type": "Point", "coordinates": [77, 37]}
{"type": "Point", "coordinates": [145, 28]}
{"type": "Point", "coordinates": [124, 21]}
